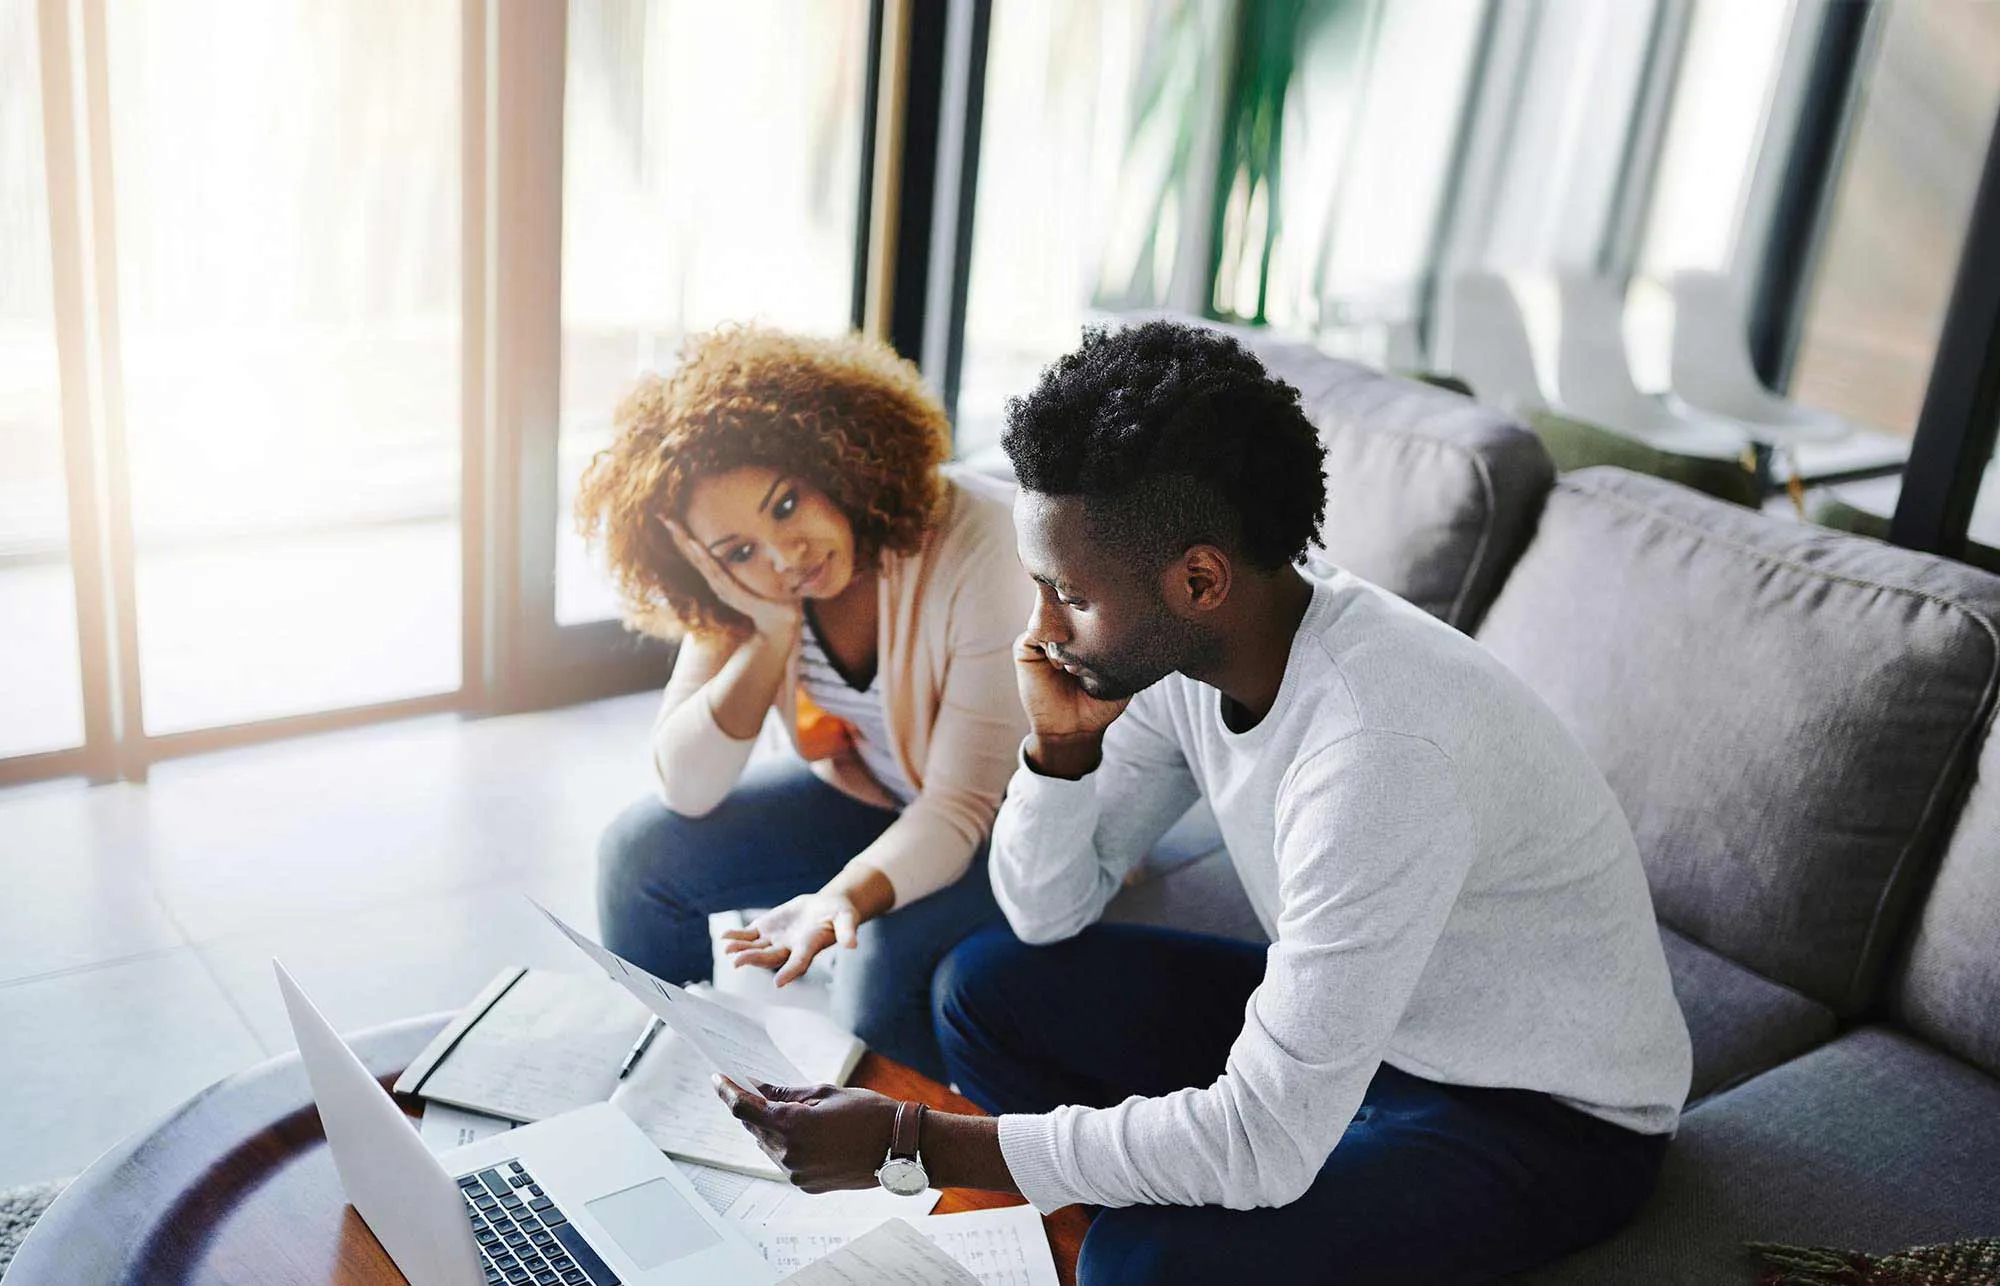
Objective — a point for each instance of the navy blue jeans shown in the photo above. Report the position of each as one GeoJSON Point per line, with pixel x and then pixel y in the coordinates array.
{"type": "Point", "coordinates": [780, 833]}
{"type": "Point", "coordinates": [1430, 1183]}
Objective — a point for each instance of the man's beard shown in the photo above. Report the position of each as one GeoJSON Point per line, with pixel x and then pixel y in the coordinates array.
{"type": "Point", "coordinates": [1163, 646]}
{"type": "Point", "coordinates": [1114, 687]}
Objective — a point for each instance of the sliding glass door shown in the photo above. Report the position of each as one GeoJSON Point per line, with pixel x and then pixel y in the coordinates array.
{"type": "Point", "coordinates": [287, 268]}
{"type": "Point", "coordinates": [230, 372]}
{"type": "Point", "coordinates": [311, 314]}
{"type": "Point", "coordinates": [41, 673]}
{"type": "Point", "coordinates": [707, 169]}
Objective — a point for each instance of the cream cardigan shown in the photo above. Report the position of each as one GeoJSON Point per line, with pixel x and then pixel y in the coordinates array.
{"type": "Point", "coordinates": [947, 620]}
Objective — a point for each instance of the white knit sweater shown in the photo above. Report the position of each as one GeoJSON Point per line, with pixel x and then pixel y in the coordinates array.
{"type": "Point", "coordinates": [1448, 882]}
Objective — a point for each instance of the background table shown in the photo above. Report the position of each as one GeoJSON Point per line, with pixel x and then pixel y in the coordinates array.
{"type": "Point", "coordinates": [237, 1186]}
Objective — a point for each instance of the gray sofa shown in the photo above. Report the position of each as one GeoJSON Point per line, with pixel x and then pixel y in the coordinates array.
{"type": "Point", "coordinates": [1796, 722]}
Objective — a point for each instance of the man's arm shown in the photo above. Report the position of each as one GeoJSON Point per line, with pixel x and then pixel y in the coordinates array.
{"type": "Point", "coordinates": [1373, 847]}
{"type": "Point", "coordinates": [830, 1139]}
{"type": "Point", "coordinates": [1084, 808]}
{"type": "Point", "coordinates": [1373, 844]}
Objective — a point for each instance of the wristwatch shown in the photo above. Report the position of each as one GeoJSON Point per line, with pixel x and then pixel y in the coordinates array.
{"type": "Point", "coordinates": [902, 1170]}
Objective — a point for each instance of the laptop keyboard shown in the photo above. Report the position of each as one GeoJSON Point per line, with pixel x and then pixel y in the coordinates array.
{"type": "Point", "coordinates": [523, 1236]}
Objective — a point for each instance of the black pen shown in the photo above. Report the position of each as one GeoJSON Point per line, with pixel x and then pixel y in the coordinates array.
{"type": "Point", "coordinates": [653, 1026]}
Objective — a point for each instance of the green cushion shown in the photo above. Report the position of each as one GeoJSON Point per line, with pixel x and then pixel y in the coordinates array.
{"type": "Point", "coordinates": [1829, 510]}
{"type": "Point", "coordinates": [1577, 444]}
{"type": "Point", "coordinates": [1438, 379]}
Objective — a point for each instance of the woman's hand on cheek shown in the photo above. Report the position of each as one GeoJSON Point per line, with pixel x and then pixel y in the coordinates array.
{"type": "Point", "coordinates": [777, 620]}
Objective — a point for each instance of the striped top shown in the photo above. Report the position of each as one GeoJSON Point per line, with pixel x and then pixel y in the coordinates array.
{"type": "Point", "coordinates": [947, 618]}
{"type": "Point", "coordinates": [859, 708]}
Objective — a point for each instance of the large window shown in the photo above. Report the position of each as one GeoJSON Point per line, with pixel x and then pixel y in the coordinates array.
{"type": "Point", "coordinates": [1722, 119]}
{"type": "Point", "coordinates": [313, 311]}
{"type": "Point", "coordinates": [1093, 181]}
{"type": "Point", "coordinates": [1721, 114]}
{"type": "Point", "coordinates": [287, 197]}
{"type": "Point", "coordinates": [41, 701]}
{"type": "Point", "coordinates": [1373, 111]}
{"type": "Point", "coordinates": [1900, 210]}
{"type": "Point", "coordinates": [711, 174]}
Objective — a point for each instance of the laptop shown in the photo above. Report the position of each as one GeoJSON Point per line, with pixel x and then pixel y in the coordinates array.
{"type": "Point", "coordinates": [581, 1198]}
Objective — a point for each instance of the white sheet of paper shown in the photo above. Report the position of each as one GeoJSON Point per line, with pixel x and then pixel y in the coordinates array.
{"type": "Point", "coordinates": [670, 1098]}
{"type": "Point", "coordinates": [819, 1046]}
{"type": "Point", "coordinates": [735, 1043]}
{"type": "Point", "coordinates": [1006, 1247]}
{"type": "Point", "coordinates": [445, 1127]}
{"type": "Point", "coordinates": [550, 1045]}
{"type": "Point", "coordinates": [891, 1254]}
{"type": "Point", "coordinates": [747, 1200]}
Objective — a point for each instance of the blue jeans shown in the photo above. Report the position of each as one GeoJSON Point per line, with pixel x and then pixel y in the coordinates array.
{"type": "Point", "coordinates": [1430, 1183]}
{"type": "Point", "coordinates": [780, 833]}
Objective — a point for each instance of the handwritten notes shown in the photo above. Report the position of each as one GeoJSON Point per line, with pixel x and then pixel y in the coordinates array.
{"type": "Point", "coordinates": [892, 1254]}
{"type": "Point", "coordinates": [550, 1044]}
{"type": "Point", "coordinates": [997, 1247]}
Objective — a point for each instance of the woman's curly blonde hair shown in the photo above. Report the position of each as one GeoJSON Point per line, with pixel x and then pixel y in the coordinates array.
{"type": "Point", "coordinates": [845, 414]}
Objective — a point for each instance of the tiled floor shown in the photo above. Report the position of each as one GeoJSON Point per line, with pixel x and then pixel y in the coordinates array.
{"type": "Point", "coordinates": [385, 865]}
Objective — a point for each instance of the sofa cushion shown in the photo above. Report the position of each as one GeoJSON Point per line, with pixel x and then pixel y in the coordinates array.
{"type": "Point", "coordinates": [1740, 1024]}
{"type": "Point", "coordinates": [1949, 988]}
{"type": "Point", "coordinates": [1429, 494]}
{"type": "Point", "coordinates": [1874, 1142]}
{"type": "Point", "coordinates": [1786, 714]}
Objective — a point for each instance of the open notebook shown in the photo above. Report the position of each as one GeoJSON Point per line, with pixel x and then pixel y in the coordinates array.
{"type": "Point", "coordinates": [536, 1043]}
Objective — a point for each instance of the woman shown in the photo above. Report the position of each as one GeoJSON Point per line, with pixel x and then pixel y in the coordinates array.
{"type": "Point", "coordinates": [780, 501]}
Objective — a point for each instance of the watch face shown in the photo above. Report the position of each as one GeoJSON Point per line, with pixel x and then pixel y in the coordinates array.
{"type": "Point", "coordinates": [903, 1176]}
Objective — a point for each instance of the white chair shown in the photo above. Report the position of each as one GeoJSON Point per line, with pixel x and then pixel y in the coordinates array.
{"type": "Point", "coordinates": [1594, 378]}
{"type": "Point", "coordinates": [1482, 338]}
{"type": "Point", "coordinates": [1712, 373]}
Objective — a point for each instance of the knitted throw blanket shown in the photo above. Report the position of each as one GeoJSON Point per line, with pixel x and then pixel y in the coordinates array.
{"type": "Point", "coordinates": [1972, 1262]}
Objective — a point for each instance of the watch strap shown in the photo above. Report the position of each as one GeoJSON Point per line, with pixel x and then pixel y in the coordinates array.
{"type": "Point", "coordinates": [909, 1129]}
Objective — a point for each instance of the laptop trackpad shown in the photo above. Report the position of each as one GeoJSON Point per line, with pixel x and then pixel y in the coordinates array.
{"type": "Point", "coordinates": [652, 1223]}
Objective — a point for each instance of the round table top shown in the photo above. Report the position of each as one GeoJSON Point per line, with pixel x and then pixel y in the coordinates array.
{"type": "Point", "coordinates": [237, 1185]}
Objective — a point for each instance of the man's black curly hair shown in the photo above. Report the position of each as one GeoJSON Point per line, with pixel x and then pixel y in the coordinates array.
{"type": "Point", "coordinates": [1183, 435]}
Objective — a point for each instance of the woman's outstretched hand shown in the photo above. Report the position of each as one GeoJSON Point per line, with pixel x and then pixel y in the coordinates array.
{"type": "Point", "coordinates": [777, 620]}
{"type": "Point", "coordinates": [786, 938]}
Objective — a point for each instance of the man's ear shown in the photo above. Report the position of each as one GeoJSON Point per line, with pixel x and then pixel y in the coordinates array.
{"type": "Point", "coordinates": [1197, 582]}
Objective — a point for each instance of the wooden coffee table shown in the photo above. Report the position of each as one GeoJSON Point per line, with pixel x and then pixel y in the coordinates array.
{"type": "Point", "coordinates": [237, 1186]}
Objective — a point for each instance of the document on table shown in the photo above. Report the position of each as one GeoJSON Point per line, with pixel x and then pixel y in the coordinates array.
{"type": "Point", "coordinates": [445, 1127]}
{"type": "Point", "coordinates": [737, 1044]}
{"type": "Point", "coordinates": [670, 1098]}
{"type": "Point", "coordinates": [747, 1200]}
{"type": "Point", "coordinates": [998, 1247]}
{"type": "Point", "coordinates": [894, 1254]}
{"type": "Point", "coordinates": [546, 1044]}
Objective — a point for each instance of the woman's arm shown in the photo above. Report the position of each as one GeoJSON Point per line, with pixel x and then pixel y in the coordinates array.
{"type": "Point", "coordinates": [977, 731]}
{"type": "Point", "coordinates": [718, 694]}
{"type": "Point", "coordinates": [973, 743]}
{"type": "Point", "coordinates": [710, 716]}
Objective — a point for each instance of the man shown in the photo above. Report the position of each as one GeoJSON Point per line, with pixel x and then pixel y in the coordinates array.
{"type": "Point", "coordinates": [1460, 1055]}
